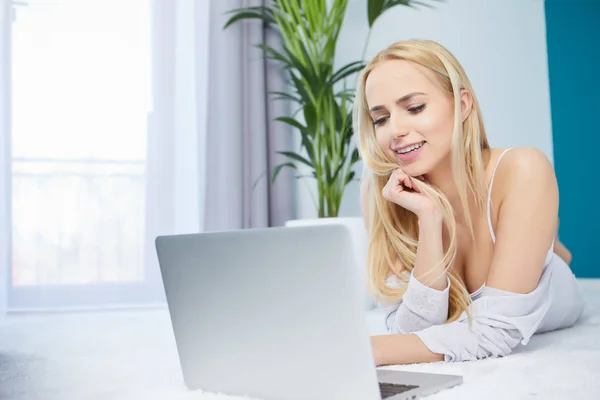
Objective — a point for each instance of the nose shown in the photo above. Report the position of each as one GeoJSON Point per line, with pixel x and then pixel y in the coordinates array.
{"type": "Point", "coordinates": [399, 127]}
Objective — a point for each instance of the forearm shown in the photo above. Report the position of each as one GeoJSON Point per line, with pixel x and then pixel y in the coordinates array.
{"type": "Point", "coordinates": [401, 349]}
{"type": "Point", "coordinates": [425, 302]}
{"type": "Point", "coordinates": [561, 251]}
{"type": "Point", "coordinates": [430, 252]}
{"type": "Point", "coordinates": [420, 308]}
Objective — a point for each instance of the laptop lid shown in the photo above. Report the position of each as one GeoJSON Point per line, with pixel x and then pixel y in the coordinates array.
{"type": "Point", "coordinates": [270, 313]}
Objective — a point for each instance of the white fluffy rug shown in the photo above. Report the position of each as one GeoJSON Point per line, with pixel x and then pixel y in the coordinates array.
{"type": "Point", "coordinates": [131, 355]}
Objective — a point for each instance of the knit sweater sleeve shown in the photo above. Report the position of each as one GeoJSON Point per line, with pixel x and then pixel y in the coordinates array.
{"type": "Point", "coordinates": [420, 308]}
{"type": "Point", "coordinates": [501, 320]}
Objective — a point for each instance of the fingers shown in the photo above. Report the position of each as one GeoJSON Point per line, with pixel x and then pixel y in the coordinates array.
{"type": "Point", "coordinates": [402, 178]}
{"type": "Point", "coordinates": [392, 187]}
{"type": "Point", "coordinates": [397, 184]}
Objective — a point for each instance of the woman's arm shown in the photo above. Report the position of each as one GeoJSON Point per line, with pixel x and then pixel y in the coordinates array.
{"type": "Point", "coordinates": [401, 349]}
{"type": "Point", "coordinates": [526, 220]}
{"type": "Point", "coordinates": [425, 302]}
{"type": "Point", "coordinates": [561, 251]}
{"type": "Point", "coordinates": [559, 248]}
{"type": "Point", "coordinates": [430, 252]}
{"type": "Point", "coordinates": [514, 301]}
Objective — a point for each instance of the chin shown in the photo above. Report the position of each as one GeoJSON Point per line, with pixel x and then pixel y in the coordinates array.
{"type": "Point", "coordinates": [418, 167]}
{"type": "Point", "coordinates": [414, 170]}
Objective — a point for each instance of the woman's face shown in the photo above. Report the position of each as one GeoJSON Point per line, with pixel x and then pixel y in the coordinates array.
{"type": "Point", "coordinates": [412, 116]}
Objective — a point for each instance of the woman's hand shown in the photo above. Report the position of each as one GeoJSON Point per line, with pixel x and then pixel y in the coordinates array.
{"type": "Point", "coordinates": [400, 189]}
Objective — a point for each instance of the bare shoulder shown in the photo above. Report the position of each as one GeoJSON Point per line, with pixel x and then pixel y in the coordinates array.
{"type": "Point", "coordinates": [525, 160]}
{"type": "Point", "coordinates": [526, 169]}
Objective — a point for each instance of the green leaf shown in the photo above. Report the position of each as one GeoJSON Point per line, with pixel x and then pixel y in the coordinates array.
{"type": "Point", "coordinates": [341, 120]}
{"type": "Point", "coordinates": [415, 3]}
{"type": "Point", "coordinates": [347, 93]}
{"type": "Point", "coordinates": [258, 180]}
{"type": "Point", "coordinates": [346, 71]}
{"type": "Point", "coordinates": [376, 8]}
{"type": "Point", "coordinates": [301, 89]}
{"type": "Point", "coordinates": [308, 146]}
{"type": "Point", "coordinates": [349, 131]}
{"type": "Point", "coordinates": [310, 117]}
{"type": "Point", "coordinates": [278, 168]}
{"type": "Point", "coordinates": [275, 55]}
{"type": "Point", "coordinates": [263, 13]}
{"type": "Point", "coordinates": [296, 156]}
{"type": "Point", "coordinates": [337, 171]}
{"type": "Point", "coordinates": [328, 174]}
{"type": "Point", "coordinates": [306, 69]}
{"type": "Point", "coordinates": [349, 177]}
{"type": "Point", "coordinates": [285, 96]}
{"type": "Point", "coordinates": [354, 157]}
{"type": "Point", "coordinates": [292, 122]}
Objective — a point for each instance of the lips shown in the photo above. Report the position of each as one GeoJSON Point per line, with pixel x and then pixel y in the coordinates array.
{"type": "Point", "coordinates": [409, 148]}
{"type": "Point", "coordinates": [410, 153]}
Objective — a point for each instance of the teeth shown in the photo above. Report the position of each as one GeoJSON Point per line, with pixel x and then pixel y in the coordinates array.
{"type": "Point", "coordinates": [411, 148]}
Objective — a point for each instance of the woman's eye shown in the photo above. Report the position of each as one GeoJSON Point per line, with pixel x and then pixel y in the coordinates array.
{"type": "Point", "coordinates": [416, 109]}
{"type": "Point", "coordinates": [379, 121]}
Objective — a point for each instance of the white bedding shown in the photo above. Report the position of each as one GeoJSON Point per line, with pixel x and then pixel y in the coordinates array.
{"type": "Point", "coordinates": [93, 356]}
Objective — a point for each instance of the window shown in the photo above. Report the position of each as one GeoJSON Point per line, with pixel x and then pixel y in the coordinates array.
{"type": "Point", "coordinates": [81, 97]}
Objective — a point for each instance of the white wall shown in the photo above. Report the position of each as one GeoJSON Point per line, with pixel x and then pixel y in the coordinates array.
{"type": "Point", "coordinates": [501, 45]}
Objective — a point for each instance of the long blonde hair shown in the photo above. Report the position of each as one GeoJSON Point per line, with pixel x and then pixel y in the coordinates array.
{"type": "Point", "coordinates": [393, 230]}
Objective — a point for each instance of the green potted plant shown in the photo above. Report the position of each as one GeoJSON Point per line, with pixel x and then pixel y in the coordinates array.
{"type": "Point", "coordinates": [322, 117]}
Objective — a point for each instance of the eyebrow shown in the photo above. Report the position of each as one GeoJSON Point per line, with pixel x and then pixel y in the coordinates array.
{"type": "Point", "coordinates": [399, 101]}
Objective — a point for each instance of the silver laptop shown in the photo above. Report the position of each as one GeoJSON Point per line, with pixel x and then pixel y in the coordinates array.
{"type": "Point", "coordinates": [277, 314]}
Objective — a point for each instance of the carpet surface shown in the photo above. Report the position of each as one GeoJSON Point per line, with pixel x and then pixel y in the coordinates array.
{"type": "Point", "coordinates": [124, 355]}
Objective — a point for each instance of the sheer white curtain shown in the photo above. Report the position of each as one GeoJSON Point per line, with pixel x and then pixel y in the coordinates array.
{"type": "Point", "coordinates": [180, 32]}
{"type": "Point", "coordinates": [128, 120]}
{"type": "Point", "coordinates": [87, 167]}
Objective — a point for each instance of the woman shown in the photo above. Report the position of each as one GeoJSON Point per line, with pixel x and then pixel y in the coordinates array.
{"type": "Point", "coordinates": [462, 235]}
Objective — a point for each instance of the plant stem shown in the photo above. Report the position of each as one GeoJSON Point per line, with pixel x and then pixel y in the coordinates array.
{"type": "Point", "coordinates": [321, 199]}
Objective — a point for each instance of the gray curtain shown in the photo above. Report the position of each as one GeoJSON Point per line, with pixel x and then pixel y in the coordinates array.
{"type": "Point", "coordinates": [242, 139]}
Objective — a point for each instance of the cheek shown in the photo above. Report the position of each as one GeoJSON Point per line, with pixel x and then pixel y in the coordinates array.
{"type": "Point", "coordinates": [436, 125]}
{"type": "Point", "coordinates": [382, 138]}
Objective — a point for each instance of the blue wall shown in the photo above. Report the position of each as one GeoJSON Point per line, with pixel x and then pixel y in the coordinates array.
{"type": "Point", "coordinates": [573, 40]}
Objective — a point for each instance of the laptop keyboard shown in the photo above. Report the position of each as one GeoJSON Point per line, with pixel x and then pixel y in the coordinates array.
{"type": "Point", "coordinates": [392, 389]}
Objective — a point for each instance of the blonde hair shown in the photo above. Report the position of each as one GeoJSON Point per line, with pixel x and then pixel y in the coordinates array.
{"type": "Point", "coordinates": [393, 230]}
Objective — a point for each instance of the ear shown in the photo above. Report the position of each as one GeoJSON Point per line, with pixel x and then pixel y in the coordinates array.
{"type": "Point", "coordinates": [466, 103]}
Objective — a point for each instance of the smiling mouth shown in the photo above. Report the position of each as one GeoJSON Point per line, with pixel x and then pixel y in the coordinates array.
{"type": "Point", "coordinates": [409, 149]}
